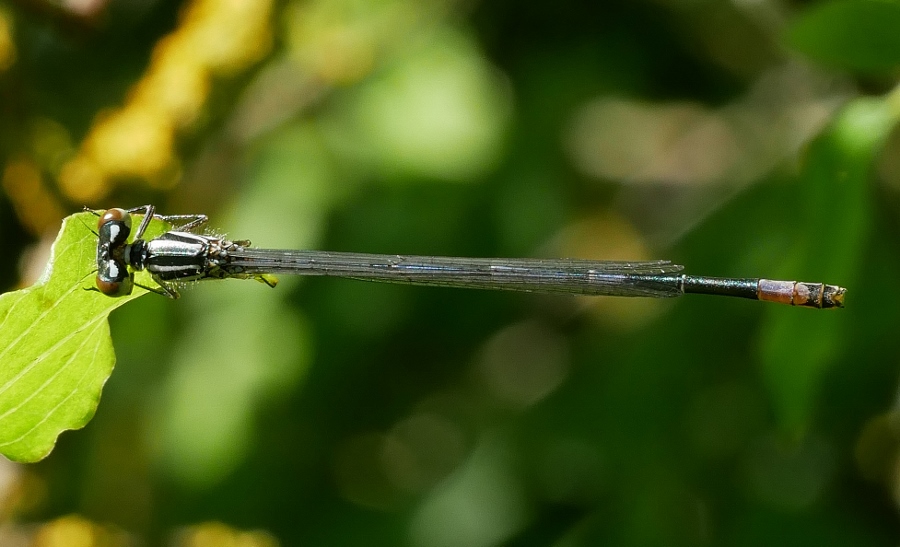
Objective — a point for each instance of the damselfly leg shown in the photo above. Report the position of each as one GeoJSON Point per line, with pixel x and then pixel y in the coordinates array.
{"type": "Point", "coordinates": [149, 213]}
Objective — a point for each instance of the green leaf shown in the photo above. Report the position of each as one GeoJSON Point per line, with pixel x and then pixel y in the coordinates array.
{"type": "Point", "coordinates": [834, 200]}
{"type": "Point", "coordinates": [55, 349]}
{"type": "Point", "coordinates": [859, 35]}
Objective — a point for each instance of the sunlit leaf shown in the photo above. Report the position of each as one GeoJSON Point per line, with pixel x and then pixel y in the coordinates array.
{"type": "Point", "coordinates": [853, 34]}
{"type": "Point", "coordinates": [55, 347]}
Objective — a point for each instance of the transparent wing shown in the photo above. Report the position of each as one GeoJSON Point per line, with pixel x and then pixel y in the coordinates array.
{"type": "Point", "coordinates": [572, 276]}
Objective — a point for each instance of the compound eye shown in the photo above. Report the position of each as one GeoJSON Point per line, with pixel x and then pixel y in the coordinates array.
{"type": "Point", "coordinates": [114, 227]}
{"type": "Point", "coordinates": [115, 288]}
{"type": "Point", "coordinates": [113, 279]}
{"type": "Point", "coordinates": [115, 215]}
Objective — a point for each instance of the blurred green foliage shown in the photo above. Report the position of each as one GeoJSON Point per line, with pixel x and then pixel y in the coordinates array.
{"type": "Point", "coordinates": [855, 35]}
{"type": "Point", "coordinates": [332, 412]}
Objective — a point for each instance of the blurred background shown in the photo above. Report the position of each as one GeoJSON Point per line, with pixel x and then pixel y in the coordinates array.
{"type": "Point", "coordinates": [748, 138]}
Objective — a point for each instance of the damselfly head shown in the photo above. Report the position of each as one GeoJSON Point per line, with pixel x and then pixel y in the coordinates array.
{"type": "Point", "coordinates": [113, 229]}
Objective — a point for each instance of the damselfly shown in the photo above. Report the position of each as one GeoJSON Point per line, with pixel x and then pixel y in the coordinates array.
{"type": "Point", "coordinates": [182, 254]}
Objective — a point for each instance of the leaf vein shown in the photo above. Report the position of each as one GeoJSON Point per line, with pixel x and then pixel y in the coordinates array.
{"type": "Point", "coordinates": [99, 317]}
{"type": "Point", "coordinates": [51, 412]}
{"type": "Point", "coordinates": [49, 380]}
